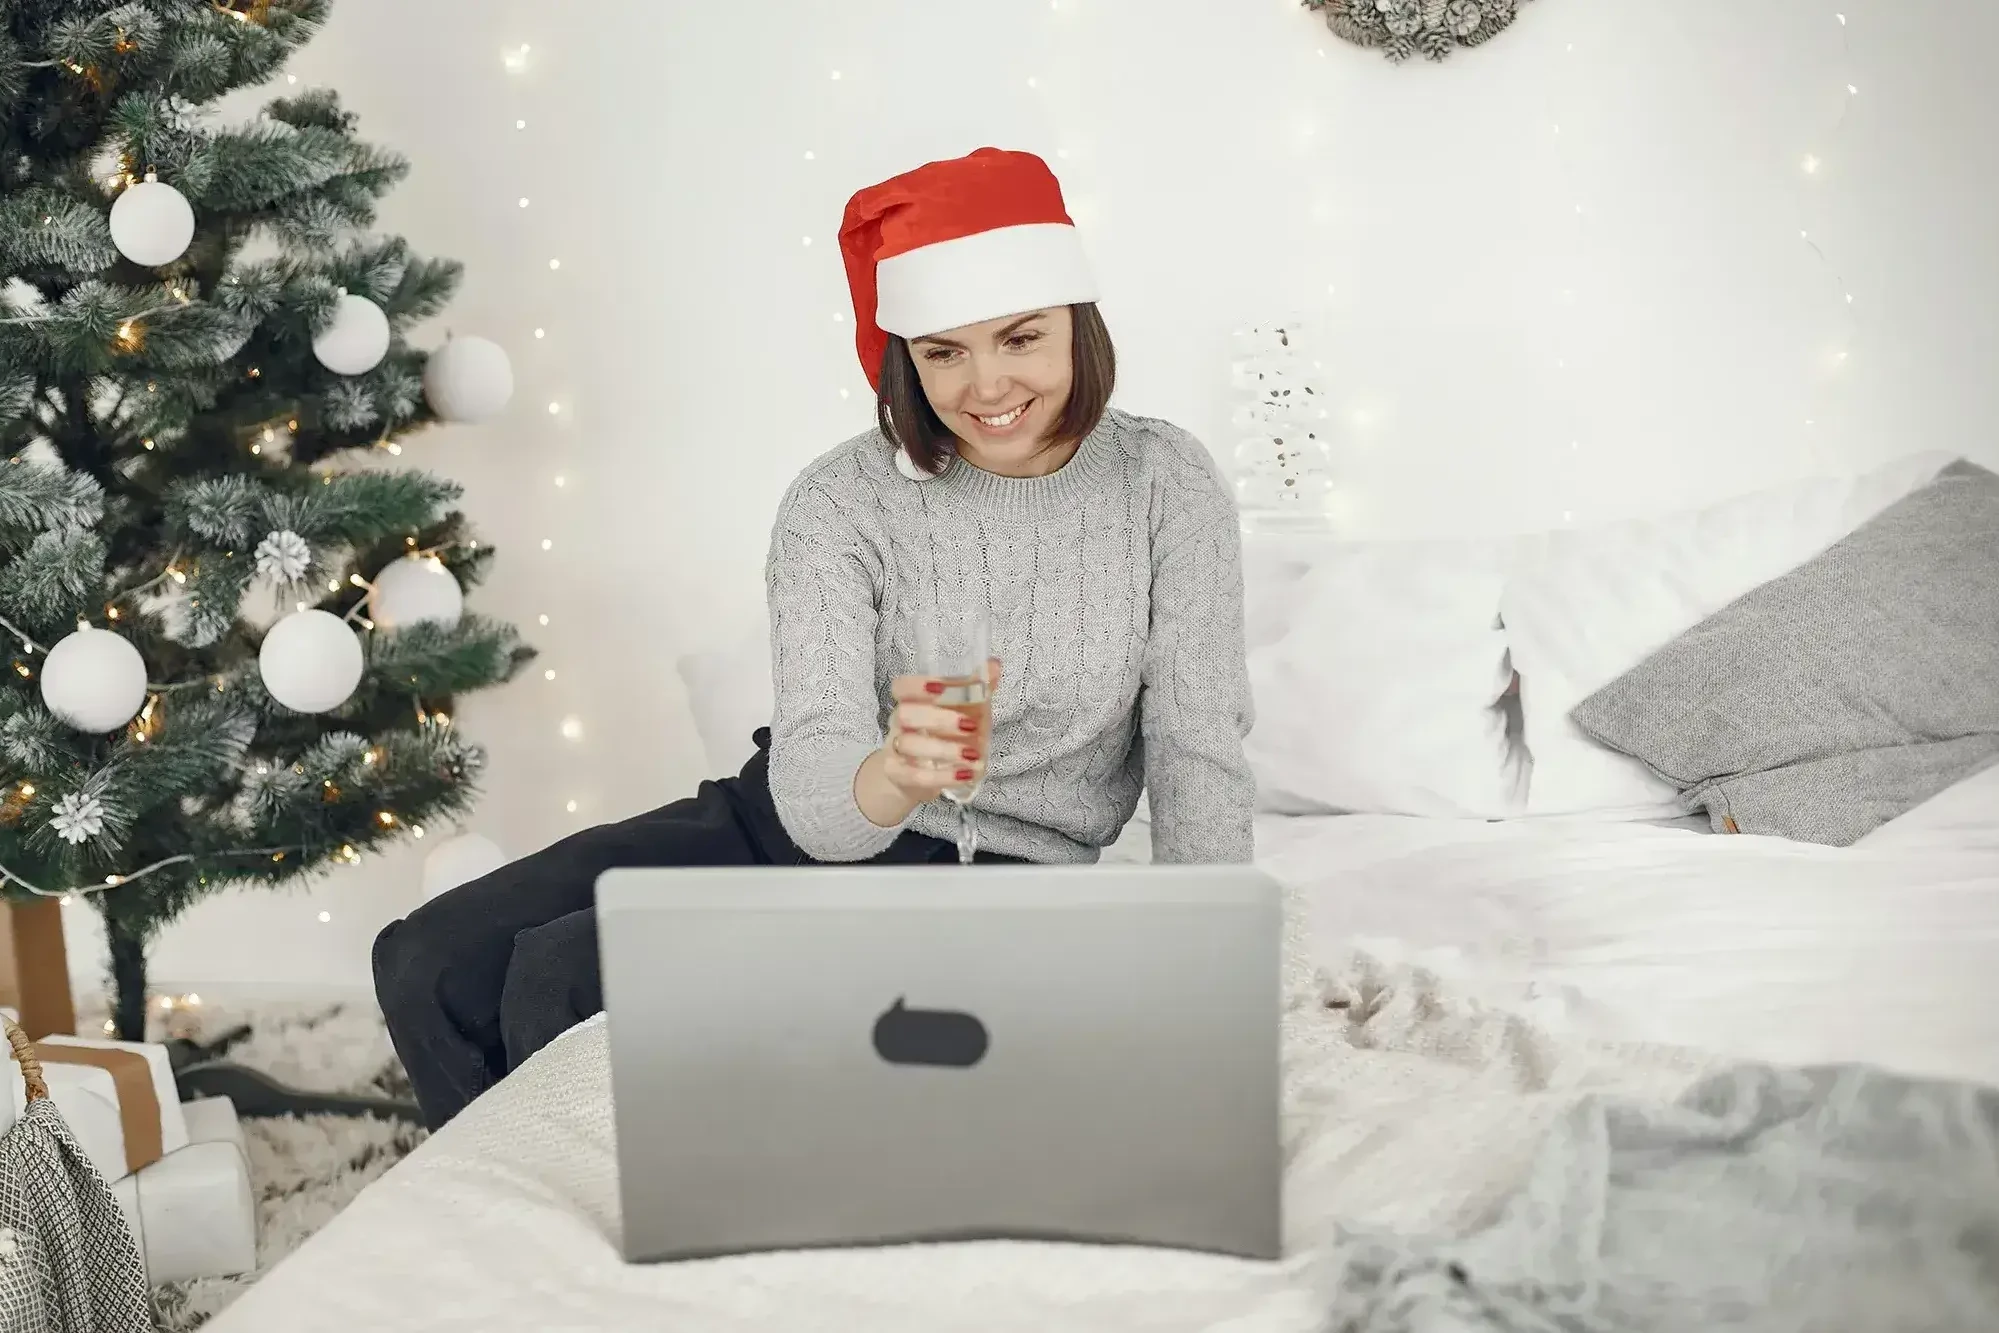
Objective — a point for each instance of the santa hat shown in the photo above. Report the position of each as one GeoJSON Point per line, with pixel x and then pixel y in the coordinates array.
{"type": "Point", "coordinates": [955, 243]}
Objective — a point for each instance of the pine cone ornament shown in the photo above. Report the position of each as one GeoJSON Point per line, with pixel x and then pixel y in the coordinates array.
{"type": "Point", "coordinates": [1433, 14]}
{"type": "Point", "coordinates": [1498, 15]}
{"type": "Point", "coordinates": [1404, 18]}
{"type": "Point", "coordinates": [1436, 46]}
{"type": "Point", "coordinates": [1365, 14]}
{"type": "Point", "coordinates": [1399, 49]}
{"type": "Point", "coordinates": [1350, 29]}
{"type": "Point", "coordinates": [78, 817]}
{"type": "Point", "coordinates": [1462, 18]}
{"type": "Point", "coordinates": [283, 556]}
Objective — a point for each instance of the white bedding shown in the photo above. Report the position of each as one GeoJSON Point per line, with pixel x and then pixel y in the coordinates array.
{"type": "Point", "coordinates": [1490, 972]}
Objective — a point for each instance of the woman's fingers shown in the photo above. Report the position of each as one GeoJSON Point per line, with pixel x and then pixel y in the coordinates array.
{"type": "Point", "coordinates": [933, 720]}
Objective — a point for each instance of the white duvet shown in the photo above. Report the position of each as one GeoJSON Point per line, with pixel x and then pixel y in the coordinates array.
{"type": "Point", "coordinates": [1486, 974]}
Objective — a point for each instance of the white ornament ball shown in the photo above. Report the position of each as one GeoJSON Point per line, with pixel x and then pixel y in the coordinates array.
{"type": "Point", "coordinates": [413, 589]}
{"type": "Point", "coordinates": [468, 379]}
{"type": "Point", "coordinates": [94, 680]}
{"type": "Point", "coordinates": [310, 661]}
{"type": "Point", "coordinates": [357, 339]}
{"type": "Point", "coordinates": [152, 223]}
{"type": "Point", "coordinates": [459, 860]}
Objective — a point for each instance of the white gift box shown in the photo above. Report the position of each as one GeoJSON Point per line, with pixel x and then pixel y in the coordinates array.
{"type": "Point", "coordinates": [192, 1211]}
{"type": "Point", "coordinates": [88, 1097]}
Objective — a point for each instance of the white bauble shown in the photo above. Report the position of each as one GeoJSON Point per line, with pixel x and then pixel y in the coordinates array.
{"type": "Point", "coordinates": [357, 339]}
{"type": "Point", "coordinates": [468, 379]}
{"type": "Point", "coordinates": [459, 860]}
{"type": "Point", "coordinates": [152, 223]}
{"type": "Point", "coordinates": [310, 661]}
{"type": "Point", "coordinates": [413, 589]}
{"type": "Point", "coordinates": [94, 680]}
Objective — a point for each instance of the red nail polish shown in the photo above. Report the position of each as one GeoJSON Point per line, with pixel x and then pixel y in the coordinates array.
{"type": "Point", "coordinates": [964, 775]}
{"type": "Point", "coordinates": [934, 686]}
{"type": "Point", "coordinates": [970, 753]}
{"type": "Point", "coordinates": [967, 724]}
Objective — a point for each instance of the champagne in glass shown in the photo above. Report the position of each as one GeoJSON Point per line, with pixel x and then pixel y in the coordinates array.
{"type": "Point", "coordinates": [953, 646]}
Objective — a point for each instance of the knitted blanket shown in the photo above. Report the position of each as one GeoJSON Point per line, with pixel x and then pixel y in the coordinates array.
{"type": "Point", "coordinates": [1764, 1200]}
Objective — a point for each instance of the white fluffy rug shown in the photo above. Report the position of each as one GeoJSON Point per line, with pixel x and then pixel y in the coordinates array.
{"type": "Point", "coordinates": [303, 1170]}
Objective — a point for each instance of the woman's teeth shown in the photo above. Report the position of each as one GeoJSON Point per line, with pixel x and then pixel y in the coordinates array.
{"type": "Point", "coordinates": [1002, 422]}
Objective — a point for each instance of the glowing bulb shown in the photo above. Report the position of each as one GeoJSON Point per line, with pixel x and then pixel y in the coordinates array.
{"type": "Point", "coordinates": [845, 393]}
{"type": "Point", "coordinates": [554, 408]}
{"type": "Point", "coordinates": [1566, 516]}
{"type": "Point", "coordinates": [572, 728]}
{"type": "Point", "coordinates": [543, 619]}
{"type": "Point", "coordinates": [541, 333]}
{"type": "Point", "coordinates": [524, 201]}
{"type": "Point", "coordinates": [548, 674]}
{"type": "Point", "coordinates": [520, 124]}
{"type": "Point", "coordinates": [325, 917]}
{"type": "Point", "coordinates": [1033, 82]}
{"type": "Point", "coordinates": [562, 481]}
{"type": "Point", "coordinates": [808, 240]}
{"type": "Point", "coordinates": [291, 78]}
{"type": "Point", "coordinates": [1851, 89]}
{"type": "Point", "coordinates": [571, 807]}
{"type": "Point", "coordinates": [547, 545]}
{"type": "Point", "coordinates": [554, 264]}
{"type": "Point", "coordinates": [809, 155]}
{"type": "Point", "coordinates": [836, 75]}
{"type": "Point", "coordinates": [1811, 163]}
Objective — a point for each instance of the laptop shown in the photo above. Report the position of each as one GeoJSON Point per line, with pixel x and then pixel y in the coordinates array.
{"type": "Point", "coordinates": [822, 1056]}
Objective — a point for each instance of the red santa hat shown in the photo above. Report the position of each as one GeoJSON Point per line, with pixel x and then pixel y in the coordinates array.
{"type": "Point", "coordinates": [955, 243]}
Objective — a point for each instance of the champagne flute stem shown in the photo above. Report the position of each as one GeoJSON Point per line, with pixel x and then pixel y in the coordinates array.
{"type": "Point", "coordinates": [968, 835]}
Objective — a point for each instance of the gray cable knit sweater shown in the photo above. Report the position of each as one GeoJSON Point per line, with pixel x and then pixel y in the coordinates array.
{"type": "Point", "coordinates": [1115, 587]}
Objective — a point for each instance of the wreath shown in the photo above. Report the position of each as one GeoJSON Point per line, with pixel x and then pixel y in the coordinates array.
{"type": "Point", "coordinates": [1404, 28]}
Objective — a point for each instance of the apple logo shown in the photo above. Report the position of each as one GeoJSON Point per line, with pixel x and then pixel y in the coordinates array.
{"type": "Point", "coordinates": [944, 1037]}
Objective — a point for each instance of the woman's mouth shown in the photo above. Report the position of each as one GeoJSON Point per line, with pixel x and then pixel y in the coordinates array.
{"type": "Point", "coordinates": [1005, 421]}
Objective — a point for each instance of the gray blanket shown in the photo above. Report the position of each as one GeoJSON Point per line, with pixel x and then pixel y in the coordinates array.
{"type": "Point", "coordinates": [1834, 1200]}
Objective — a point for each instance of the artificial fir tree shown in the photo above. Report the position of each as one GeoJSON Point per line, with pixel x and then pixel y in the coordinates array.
{"type": "Point", "coordinates": [194, 404]}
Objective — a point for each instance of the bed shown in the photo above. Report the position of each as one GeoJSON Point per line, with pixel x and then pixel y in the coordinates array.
{"type": "Point", "coordinates": [1487, 974]}
{"type": "Point", "coordinates": [1511, 913]}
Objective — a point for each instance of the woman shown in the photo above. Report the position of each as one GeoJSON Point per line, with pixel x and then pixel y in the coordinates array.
{"type": "Point", "coordinates": [1105, 544]}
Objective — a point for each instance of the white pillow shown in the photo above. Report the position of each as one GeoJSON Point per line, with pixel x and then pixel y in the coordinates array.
{"type": "Point", "coordinates": [1382, 694]}
{"type": "Point", "coordinates": [1584, 606]}
{"type": "Point", "coordinates": [729, 691]}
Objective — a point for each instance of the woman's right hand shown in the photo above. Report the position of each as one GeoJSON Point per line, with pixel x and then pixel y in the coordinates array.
{"type": "Point", "coordinates": [928, 751]}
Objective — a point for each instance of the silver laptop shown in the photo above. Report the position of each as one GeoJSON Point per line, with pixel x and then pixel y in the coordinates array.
{"type": "Point", "coordinates": [831, 1056]}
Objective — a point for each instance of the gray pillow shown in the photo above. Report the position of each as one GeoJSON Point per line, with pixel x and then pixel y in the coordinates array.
{"type": "Point", "coordinates": [1834, 698]}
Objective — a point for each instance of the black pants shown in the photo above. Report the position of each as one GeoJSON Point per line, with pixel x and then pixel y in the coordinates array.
{"type": "Point", "coordinates": [480, 978]}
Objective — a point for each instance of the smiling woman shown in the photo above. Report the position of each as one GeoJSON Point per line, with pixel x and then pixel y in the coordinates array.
{"type": "Point", "coordinates": [1092, 556]}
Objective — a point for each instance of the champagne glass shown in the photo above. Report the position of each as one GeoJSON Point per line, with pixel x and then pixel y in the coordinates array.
{"type": "Point", "coordinates": [953, 647]}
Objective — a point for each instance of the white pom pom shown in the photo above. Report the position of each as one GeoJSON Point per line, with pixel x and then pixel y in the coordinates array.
{"type": "Point", "coordinates": [907, 467]}
{"type": "Point", "coordinates": [459, 860]}
{"type": "Point", "coordinates": [468, 379]}
{"type": "Point", "coordinates": [357, 339]}
{"type": "Point", "coordinates": [152, 223]}
{"type": "Point", "coordinates": [413, 589]}
{"type": "Point", "coordinates": [310, 661]}
{"type": "Point", "coordinates": [94, 680]}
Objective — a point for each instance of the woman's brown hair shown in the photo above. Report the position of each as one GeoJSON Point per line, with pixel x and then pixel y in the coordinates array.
{"type": "Point", "coordinates": [907, 419]}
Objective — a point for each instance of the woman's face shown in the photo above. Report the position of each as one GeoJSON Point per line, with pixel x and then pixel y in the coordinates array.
{"type": "Point", "coordinates": [1000, 386]}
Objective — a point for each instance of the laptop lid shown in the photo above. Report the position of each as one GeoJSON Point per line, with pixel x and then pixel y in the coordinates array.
{"type": "Point", "coordinates": [812, 1056]}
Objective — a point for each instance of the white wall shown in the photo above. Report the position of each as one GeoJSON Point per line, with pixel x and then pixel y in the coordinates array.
{"type": "Point", "coordinates": [1561, 275]}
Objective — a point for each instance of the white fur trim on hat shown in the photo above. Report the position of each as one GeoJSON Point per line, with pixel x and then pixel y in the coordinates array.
{"type": "Point", "coordinates": [907, 467]}
{"type": "Point", "coordinates": [987, 275]}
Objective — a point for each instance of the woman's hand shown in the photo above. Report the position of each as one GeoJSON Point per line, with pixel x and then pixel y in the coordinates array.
{"type": "Point", "coordinates": [929, 750]}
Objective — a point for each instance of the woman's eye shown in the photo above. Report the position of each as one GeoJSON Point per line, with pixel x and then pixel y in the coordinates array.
{"type": "Point", "coordinates": [1020, 340]}
{"type": "Point", "coordinates": [937, 354]}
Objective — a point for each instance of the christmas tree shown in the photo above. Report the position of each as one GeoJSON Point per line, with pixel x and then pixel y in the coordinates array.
{"type": "Point", "coordinates": [234, 636]}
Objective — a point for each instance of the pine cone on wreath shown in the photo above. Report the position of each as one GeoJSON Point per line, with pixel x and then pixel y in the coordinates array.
{"type": "Point", "coordinates": [1365, 14]}
{"type": "Point", "coordinates": [1404, 18]}
{"type": "Point", "coordinates": [1433, 14]}
{"type": "Point", "coordinates": [1462, 18]}
{"type": "Point", "coordinates": [1498, 17]}
{"type": "Point", "coordinates": [1347, 30]}
{"type": "Point", "coordinates": [1398, 49]}
{"type": "Point", "coordinates": [1436, 46]}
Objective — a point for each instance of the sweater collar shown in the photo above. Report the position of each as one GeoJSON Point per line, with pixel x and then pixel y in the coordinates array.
{"type": "Point", "coordinates": [1083, 476]}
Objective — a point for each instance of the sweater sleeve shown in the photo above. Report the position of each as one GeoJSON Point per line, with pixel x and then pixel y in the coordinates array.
{"type": "Point", "coordinates": [1194, 699]}
{"type": "Point", "coordinates": [820, 582]}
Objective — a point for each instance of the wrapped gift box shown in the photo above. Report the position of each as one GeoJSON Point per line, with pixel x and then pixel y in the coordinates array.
{"type": "Point", "coordinates": [192, 1211]}
{"type": "Point", "coordinates": [117, 1097]}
